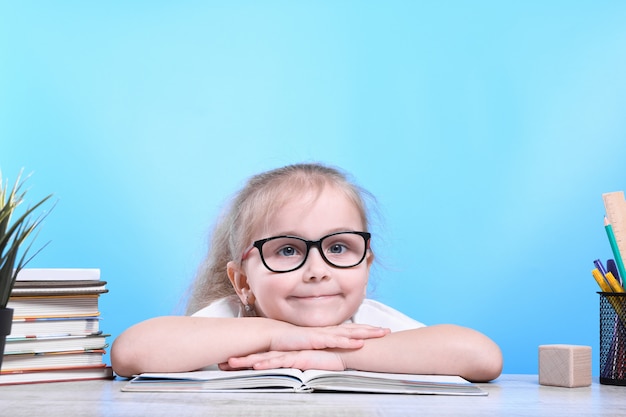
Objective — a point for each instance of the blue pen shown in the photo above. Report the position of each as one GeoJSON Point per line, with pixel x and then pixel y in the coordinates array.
{"type": "Point", "coordinates": [611, 266]}
{"type": "Point", "coordinates": [598, 264]}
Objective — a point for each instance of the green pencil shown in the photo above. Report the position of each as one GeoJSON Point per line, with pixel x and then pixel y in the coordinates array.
{"type": "Point", "coordinates": [615, 249]}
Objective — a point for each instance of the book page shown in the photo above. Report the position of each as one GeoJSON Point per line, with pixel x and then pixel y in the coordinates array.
{"type": "Point", "coordinates": [438, 379]}
{"type": "Point", "coordinates": [212, 375]}
{"type": "Point", "coordinates": [374, 382]}
{"type": "Point", "coordinates": [276, 380]}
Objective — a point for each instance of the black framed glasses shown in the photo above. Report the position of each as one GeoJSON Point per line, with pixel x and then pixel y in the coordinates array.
{"type": "Point", "coordinates": [288, 253]}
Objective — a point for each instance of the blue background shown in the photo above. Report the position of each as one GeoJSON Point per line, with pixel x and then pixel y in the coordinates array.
{"type": "Point", "coordinates": [487, 130]}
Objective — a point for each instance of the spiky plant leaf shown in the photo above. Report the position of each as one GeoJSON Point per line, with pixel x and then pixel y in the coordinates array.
{"type": "Point", "coordinates": [14, 236]}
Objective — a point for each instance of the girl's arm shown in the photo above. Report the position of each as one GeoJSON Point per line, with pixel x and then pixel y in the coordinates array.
{"type": "Point", "coordinates": [182, 343]}
{"type": "Point", "coordinates": [440, 349]}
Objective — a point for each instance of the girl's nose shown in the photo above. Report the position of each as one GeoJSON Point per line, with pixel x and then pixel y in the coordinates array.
{"type": "Point", "coordinates": [315, 268]}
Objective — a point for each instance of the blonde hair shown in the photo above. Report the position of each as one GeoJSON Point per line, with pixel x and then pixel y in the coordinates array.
{"type": "Point", "coordinates": [261, 196]}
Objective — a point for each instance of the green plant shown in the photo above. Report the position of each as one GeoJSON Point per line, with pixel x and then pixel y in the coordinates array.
{"type": "Point", "coordinates": [14, 235]}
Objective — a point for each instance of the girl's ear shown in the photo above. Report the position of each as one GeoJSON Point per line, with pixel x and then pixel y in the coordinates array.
{"type": "Point", "coordinates": [239, 281]}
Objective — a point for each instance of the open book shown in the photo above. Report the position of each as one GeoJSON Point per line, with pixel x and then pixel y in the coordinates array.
{"type": "Point", "coordinates": [294, 380]}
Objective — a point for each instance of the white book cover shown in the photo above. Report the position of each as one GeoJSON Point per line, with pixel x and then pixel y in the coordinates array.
{"type": "Point", "coordinates": [55, 326]}
{"type": "Point", "coordinates": [62, 306]}
{"type": "Point", "coordinates": [85, 373]}
{"type": "Point", "coordinates": [56, 360]}
{"type": "Point", "coordinates": [58, 274]}
{"type": "Point", "coordinates": [54, 344]}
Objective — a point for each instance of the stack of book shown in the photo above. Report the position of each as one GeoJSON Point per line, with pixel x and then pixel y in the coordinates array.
{"type": "Point", "coordinates": [55, 334]}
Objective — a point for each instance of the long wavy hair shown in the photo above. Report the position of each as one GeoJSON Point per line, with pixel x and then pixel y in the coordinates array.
{"type": "Point", "coordinates": [250, 209]}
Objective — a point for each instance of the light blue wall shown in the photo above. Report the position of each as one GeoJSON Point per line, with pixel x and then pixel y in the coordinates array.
{"type": "Point", "coordinates": [488, 131]}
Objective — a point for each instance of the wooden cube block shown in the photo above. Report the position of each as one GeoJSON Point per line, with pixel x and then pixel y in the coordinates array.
{"type": "Point", "coordinates": [565, 365]}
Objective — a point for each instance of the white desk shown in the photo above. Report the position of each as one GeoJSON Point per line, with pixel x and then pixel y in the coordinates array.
{"type": "Point", "coordinates": [509, 395]}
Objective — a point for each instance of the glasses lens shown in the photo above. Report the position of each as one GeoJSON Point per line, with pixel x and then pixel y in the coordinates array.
{"type": "Point", "coordinates": [344, 249]}
{"type": "Point", "coordinates": [284, 253]}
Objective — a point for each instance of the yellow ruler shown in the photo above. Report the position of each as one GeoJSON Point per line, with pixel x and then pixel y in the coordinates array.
{"type": "Point", "coordinates": [615, 206]}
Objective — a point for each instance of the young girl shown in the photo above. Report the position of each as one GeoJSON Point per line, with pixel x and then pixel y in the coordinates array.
{"type": "Point", "coordinates": [284, 286]}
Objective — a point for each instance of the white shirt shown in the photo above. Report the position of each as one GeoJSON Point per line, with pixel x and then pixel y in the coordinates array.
{"type": "Point", "coordinates": [370, 312]}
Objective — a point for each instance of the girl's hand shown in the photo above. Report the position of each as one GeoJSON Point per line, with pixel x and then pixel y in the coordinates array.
{"type": "Point", "coordinates": [304, 359]}
{"type": "Point", "coordinates": [344, 336]}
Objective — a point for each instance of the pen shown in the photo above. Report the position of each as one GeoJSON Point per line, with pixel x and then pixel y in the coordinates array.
{"type": "Point", "coordinates": [598, 264]}
{"type": "Point", "coordinates": [608, 277]}
{"type": "Point", "coordinates": [604, 285]}
{"type": "Point", "coordinates": [610, 266]}
{"type": "Point", "coordinates": [607, 282]}
{"type": "Point", "coordinates": [615, 286]}
{"type": "Point", "coordinates": [614, 248]}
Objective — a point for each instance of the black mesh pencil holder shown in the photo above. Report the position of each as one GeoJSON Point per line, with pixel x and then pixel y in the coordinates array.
{"type": "Point", "coordinates": [612, 338]}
